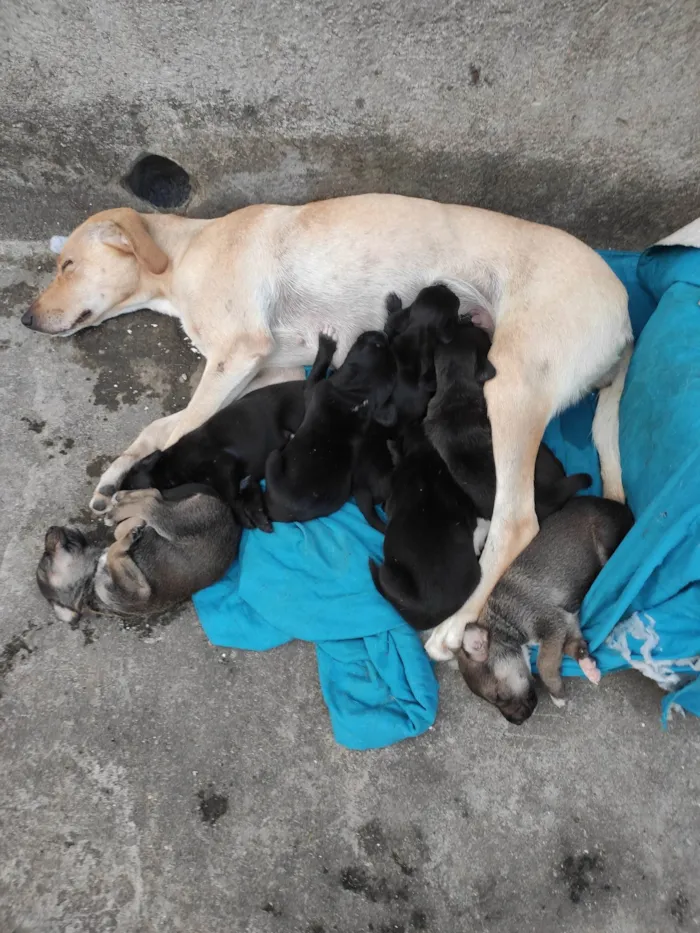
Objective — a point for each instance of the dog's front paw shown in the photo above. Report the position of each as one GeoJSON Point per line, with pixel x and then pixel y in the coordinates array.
{"type": "Point", "coordinates": [101, 499]}
{"type": "Point", "coordinates": [109, 483]}
{"type": "Point", "coordinates": [437, 647]}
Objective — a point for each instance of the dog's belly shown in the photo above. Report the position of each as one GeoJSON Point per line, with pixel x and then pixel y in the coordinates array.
{"type": "Point", "coordinates": [349, 307]}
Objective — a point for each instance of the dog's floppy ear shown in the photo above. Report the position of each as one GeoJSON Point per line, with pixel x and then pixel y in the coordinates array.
{"type": "Point", "coordinates": [485, 372]}
{"type": "Point", "coordinates": [476, 642]}
{"type": "Point", "coordinates": [124, 230]}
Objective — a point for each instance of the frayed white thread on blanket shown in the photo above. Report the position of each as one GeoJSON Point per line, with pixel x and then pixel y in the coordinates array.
{"type": "Point", "coordinates": [672, 710]}
{"type": "Point", "coordinates": [658, 670]}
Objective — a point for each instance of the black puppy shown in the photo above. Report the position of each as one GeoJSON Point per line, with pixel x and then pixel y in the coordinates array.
{"type": "Point", "coordinates": [338, 450]}
{"type": "Point", "coordinates": [413, 334]}
{"type": "Point", "coordinates": [232, 444]}
{"type": "Point", "coordinates": [458, 426]}
{"type": "Point", "coordinates": [430, 555]}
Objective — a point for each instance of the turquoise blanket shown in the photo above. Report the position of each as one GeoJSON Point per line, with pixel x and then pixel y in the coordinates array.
{"type": "Point", "coordinates": [311, 581]}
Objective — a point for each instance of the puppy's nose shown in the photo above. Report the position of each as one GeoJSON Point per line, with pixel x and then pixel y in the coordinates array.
{"type": "Point", "coordinates": [28, 318]}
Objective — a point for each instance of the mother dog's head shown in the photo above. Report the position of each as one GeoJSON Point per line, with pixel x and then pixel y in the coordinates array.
{"type": "Point", "coordinates": [104, 269]}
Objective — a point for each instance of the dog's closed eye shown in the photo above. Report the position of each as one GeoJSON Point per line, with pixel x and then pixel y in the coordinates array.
{"type": "Point", "coordinates": [66, 264]}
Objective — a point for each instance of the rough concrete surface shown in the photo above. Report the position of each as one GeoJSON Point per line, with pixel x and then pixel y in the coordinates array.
{"type": "Point", "coordinates": [583, 114]}
{"type": "Point", "coordinates": [152, 783]}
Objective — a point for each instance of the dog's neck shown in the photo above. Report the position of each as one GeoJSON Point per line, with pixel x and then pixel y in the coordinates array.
{"type": "Point", "coordinates": [174, 235]}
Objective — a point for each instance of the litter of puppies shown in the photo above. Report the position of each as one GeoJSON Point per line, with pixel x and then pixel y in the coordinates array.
{"type": "Point", "coordinates": [402, 423]}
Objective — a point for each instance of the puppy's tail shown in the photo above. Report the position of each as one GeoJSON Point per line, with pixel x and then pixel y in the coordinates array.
{"type": "Point", "coordinates": [606, 429]}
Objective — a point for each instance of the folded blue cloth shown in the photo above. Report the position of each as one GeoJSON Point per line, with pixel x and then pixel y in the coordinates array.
{"type": "Point", "coordinates": [643, 611]}
{"type": "Point", "coordinates": [311, 581]}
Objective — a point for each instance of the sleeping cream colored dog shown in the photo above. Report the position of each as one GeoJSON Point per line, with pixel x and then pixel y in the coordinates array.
{"type": "Point", "coordinates": [254, 288]}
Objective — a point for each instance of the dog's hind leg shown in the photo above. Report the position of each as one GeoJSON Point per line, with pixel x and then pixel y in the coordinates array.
{"type": "Point", "coordinates": [126, 576]}
{"type": "Point", "coordinates": [549, 660]}
{"type": "Point", "coordinates": [606, 429]}
{"type": "Point", "coordinates": [520, 402]}
{"type": "Point", "coordinates": [577, 648]}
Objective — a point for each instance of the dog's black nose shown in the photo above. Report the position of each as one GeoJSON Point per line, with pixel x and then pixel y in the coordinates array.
{"type": "Point", "coordinates": [28, 318]}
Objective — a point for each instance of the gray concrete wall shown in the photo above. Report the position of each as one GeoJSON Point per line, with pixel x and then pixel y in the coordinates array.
{"type": "Point", "coordinates": [582, 114]}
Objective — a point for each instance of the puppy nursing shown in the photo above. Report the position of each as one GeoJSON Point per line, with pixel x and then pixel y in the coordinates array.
{"type": "Point", "coordinates": [337, 450]}
{"type": "Point", "coordinates": [445, 479]}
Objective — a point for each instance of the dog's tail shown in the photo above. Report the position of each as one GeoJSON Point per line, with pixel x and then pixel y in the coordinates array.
{"type": "Point", "coordinates": [606, 429]}
{"type": "Point", "coordinates": [398, 588]}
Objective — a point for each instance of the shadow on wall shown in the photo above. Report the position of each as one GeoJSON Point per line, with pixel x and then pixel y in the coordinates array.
{"type": "Point", "coordinates": [225, 158]}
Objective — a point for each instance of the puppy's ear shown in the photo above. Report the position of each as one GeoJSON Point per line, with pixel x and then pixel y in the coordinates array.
{"type": "Point", "coordinates": [476, 642]}
{"type": "Point", "coordinates": [393, 303]}
{"type": "Point", "coordinates": [485, 372]}
{"type": "Point", "coordinates": [447, 327]}
{"type": "Point", "coordinates": [386, 414]}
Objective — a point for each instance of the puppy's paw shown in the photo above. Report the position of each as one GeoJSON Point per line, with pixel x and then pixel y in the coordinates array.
{"type": "Point", "coordinates": [559, 702]}
{"type": "Point", "coordinates": [590, 669]}
{"type": "Point", "coordinates": [329, 333]}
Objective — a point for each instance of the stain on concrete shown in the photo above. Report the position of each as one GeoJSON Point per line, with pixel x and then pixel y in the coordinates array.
{"type": "Point", "coordinates": [84, 517]}
{"type": "Point", "coordinates": [136, 360]}
{"type": "Point", "coordinates": [144, 626]}
{"type": "Point", "coordinates": [404, 867]}
{"type": "Point", "coordinates": [419, 920]}
{"type": "Point", "coordinates": [377, 889]}
{"type": "Point", "coordinates": [212, 806]}
{"type": "Point", "coordinates": [580, 872]}
{"type": "Point", "coordinates": [14, 298]}
{"type": "Point", "coordinates": [679, 908]}
{"type": "Point", "coordinates": [371, 838]}
{"type": "Point", "coordinates": [33, 424]}
{"type": "Point", "coordinates": [16, 649]}
{"type": "Point", "coordinates": [97, 466]}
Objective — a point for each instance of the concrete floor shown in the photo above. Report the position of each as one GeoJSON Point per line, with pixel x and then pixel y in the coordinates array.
{"type": "Point", "coordinates": [151, 783]}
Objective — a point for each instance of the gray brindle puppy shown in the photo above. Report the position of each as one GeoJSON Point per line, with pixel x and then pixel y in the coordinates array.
{"type": "Point", "coordinates": [537, 601]}
{"type": "Point", "coordinates": [166, 547]}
